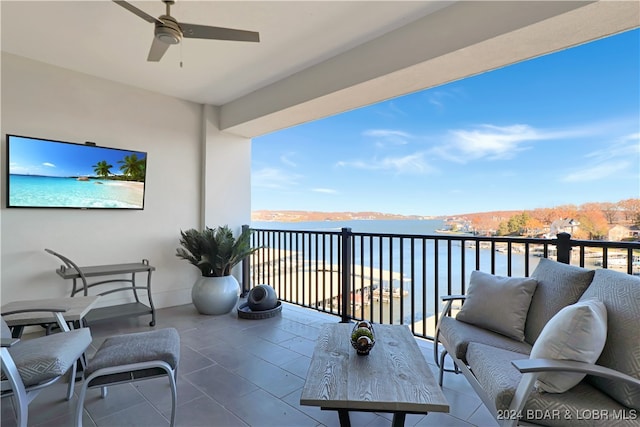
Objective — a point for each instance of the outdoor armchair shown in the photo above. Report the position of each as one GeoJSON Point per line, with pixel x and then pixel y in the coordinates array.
{"type": "Point", "coordinates": [30, 365]}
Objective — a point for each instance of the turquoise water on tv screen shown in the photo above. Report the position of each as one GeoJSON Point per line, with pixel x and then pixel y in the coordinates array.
{"type": "Point", "coordinates": [43, 191]}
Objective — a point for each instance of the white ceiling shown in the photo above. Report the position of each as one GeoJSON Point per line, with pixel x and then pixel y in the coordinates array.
{"type": "Point", "coordinates": [103, 39]}
{"type": "Point", "coordinates": [315, 58]}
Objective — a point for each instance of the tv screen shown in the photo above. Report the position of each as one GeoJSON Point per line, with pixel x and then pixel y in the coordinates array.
{"type": "Point", "coordinates": [43, 173]}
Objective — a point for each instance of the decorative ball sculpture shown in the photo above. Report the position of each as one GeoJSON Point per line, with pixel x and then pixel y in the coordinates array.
{"type": "Point", "coordinates": [363, 338]}
{"type": "Point", "coordinates": [261, 298]}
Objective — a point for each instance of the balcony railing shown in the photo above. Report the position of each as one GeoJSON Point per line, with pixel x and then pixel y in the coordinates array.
{"type": "Point", "coordinates": [399, 278]}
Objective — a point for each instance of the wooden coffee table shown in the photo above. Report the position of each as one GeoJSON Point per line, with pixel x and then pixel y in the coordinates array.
{"type": "Point", "coordinates": [394, 377]}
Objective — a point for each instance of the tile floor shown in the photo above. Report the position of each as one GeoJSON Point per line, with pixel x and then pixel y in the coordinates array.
{"type": "Point", "coordinates": [233, 372]}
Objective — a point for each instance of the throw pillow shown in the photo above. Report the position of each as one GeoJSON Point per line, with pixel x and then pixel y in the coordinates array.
{"type": "Point", "coordinates": [577, 332]}
{"type": "Point", "coordinates": [559, 285]}
{"type": "Point", "coordinates": [497, 303]}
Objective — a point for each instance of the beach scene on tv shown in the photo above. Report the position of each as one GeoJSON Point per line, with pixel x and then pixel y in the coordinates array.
{"type": "Point", "coordinates": [45, 173]}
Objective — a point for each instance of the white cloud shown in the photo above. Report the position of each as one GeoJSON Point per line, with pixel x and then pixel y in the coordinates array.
{"type": "Point", "coordinates": [17, 169]}
{"type": "Point", "coordinates": [324, 190]}
{"type": "Point", "coordinates": [286, 159]}
{"type": "Point", "coordinates": [396, 137]}
{"type": "Point", "coordinates": [390, 110]}
{"type": "Point", "coordinates": [611, 160]}
{"type": "Point", "coordinates": [358, 164]}
{"type": "Point", "coordinates": [627, 145]}
{"type": "Point", "coordinates": [494, 142]}
{"type": "Point", "coordinates": [437, 98]}
{"type": "Point", "coordinates": [273, 178]}
{"type": "Point", "coordinates": [434, 100]}
{"type": "Point", "coordinates": [598, 171]}
{"type": "Point", "coordinates": [385, 133]}
{"type": "Point", "coordinates": [51, 165]}
{"type": "Point", "coordinates": [410, 164]}
{"type": "Point", "coordinates": [394, 108]}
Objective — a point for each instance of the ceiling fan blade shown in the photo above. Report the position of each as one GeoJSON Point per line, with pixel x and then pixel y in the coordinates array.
{"type": "Point", "coordinates": [195, 31]}
{"type": "Point", "coordinates": [157, 50]}
{"type": "Point", "coordinates": [135, 10]}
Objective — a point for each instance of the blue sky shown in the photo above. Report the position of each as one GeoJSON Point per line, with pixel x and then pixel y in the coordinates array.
{"type": "Point", "coordinates": [41, 157]}
{"type": "Point", "coordinates": [560, 129]}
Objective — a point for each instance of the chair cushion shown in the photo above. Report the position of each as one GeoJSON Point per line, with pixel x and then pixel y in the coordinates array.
{"type": "Point", "coordinates": [620, 293]}
{"type": "Point", "coordinates": [161, 344]}
{"type": "Point", "coordinates": [458, 335]}
{"type": "Point", "coordinates": [498, 303]}
{"type": "Point", "coordinates": [580, 406]}
{"type": "Point", "coordinates": [559, 285]}
{"type": "Point", "coordinates": [577, 332]}
{"type": "Point", "coordinates": [44, 358]}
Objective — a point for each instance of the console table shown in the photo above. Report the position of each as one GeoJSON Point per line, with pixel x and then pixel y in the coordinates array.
{"type": "Point", "coordinates": [79, 275]}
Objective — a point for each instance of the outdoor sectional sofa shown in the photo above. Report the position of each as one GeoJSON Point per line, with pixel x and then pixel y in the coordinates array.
{"type": "Point", "coordinates": [525, 345]}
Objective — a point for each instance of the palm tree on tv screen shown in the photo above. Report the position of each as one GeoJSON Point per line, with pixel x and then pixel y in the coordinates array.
{"type": "Point", "coordinates": [102, 168]}
{"type": "Point", "coordinates": [133, 167]}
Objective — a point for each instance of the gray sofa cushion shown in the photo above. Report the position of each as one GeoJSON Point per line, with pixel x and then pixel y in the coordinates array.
{"type": "Point", "coordinates": [620, 293]}
{"type": "Point", "coordinates": [459, 334]}
{"type": "Point", "coordinates": [36, 362]}
{"type": "Point", "coordinates": [575, 407]}
{"type": "Point", "coordinates": [559, 285]}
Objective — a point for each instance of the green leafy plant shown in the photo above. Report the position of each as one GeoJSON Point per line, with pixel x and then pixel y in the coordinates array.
{"type": "Point", "coordinates": [214, 251]}
{"type": "Point", "coordinates": [360, 332]}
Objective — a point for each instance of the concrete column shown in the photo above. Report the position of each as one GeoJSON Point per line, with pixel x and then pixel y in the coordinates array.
{"type": "Point", "coordinates": [226, 175]}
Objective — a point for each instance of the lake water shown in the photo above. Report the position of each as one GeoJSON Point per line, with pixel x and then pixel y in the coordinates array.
{"type": "Point", "coordinates": [419, 277]}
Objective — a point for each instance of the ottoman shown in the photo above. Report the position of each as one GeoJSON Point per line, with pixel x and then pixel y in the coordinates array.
{"type": "Point", "coordinates": [133, 357]}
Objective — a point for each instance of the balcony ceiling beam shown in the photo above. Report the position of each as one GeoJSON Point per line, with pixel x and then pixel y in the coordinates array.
{"type": "Point", "coordinates": [461, 40]}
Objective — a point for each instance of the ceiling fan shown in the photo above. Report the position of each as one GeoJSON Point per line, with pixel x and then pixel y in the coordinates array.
{"type": "Point", "coordinates": [169, 31]}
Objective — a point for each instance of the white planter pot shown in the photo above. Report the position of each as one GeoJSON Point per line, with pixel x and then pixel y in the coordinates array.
{"type": "Point", "coordinates": [215, 295]}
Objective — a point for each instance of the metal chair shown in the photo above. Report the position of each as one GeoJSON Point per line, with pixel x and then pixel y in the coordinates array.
{"type": "Point", "coordinates": [30, 365]}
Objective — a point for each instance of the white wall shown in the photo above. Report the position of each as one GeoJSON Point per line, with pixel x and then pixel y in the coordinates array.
{"type": "Point", "coordinates": [49, 102]}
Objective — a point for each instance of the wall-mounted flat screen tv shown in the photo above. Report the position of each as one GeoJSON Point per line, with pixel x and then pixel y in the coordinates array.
{"type": "Point", "coordinates": [43, 173]}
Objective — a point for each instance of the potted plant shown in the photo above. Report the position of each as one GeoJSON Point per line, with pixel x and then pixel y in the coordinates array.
{"type": "Point", "coordinates": [215, 251]}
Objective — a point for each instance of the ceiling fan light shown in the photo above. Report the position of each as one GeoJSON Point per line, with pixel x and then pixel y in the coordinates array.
{"type": "Point", "coordinates": [167, 34]}
{"type": "Point", "coordinates": [167, 30]}
{"type": "Point", "coordinates": [168, 38]}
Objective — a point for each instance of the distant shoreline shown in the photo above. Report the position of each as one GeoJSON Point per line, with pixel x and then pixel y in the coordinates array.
{"type": "Point", "coordinates": [613, 221]}
{"type": "Point", "coordinates": [307, 216]}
